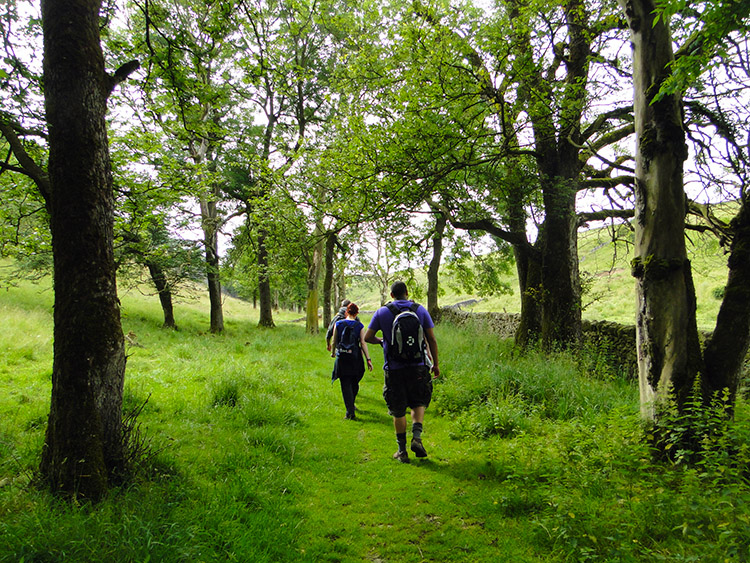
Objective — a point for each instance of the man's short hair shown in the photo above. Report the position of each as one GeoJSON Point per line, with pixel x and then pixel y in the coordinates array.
{"type": "Point", "coordinates": [398, 290]}
{"type": "Point", "coordinates": [345, 303]}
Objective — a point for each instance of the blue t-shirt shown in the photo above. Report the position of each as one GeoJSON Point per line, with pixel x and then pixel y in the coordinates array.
{"type": "Point", "coordinates": [382, 320]}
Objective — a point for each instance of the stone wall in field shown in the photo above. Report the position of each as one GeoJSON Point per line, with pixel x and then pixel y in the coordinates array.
{"type": "Point", "coordinates": [615, 343]}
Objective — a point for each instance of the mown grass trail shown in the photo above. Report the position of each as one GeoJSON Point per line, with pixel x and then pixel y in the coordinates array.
{"type": "Point", "coordinates": [363, 505]}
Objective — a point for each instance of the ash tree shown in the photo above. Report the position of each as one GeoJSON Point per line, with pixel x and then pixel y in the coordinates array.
{"type": "Point", "coordinates": [188, 50]}
{"type": "Point", "coordinates": [84, 449]}
{"type": "Point", "coordinates": [491, 120]}
{"type": "Point", "coordinates": [671, 358]}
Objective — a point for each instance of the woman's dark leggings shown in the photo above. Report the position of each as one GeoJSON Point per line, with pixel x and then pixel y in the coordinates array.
{"type": "Point", "coordinates": [349, 390]}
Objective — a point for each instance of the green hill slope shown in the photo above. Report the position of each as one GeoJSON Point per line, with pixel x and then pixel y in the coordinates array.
{"type": "Point", "coordinates": [609, 289]}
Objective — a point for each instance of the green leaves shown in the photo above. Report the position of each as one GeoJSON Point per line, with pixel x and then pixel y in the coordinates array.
{"type": "Point", "coordinates": [705, 29]}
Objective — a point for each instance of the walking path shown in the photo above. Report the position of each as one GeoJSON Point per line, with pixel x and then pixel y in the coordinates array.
{"type": "Point", "coordinates": [365, 506]}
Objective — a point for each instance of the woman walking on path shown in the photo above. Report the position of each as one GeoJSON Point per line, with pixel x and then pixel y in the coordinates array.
{"type": "Point", "coordinates": [348, 347]}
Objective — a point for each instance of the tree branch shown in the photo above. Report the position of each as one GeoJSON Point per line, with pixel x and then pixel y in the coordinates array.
{"type": "Point", "coordinates": [625, 112]}
{"type": "Point", "coordinates": [26, 163]}
{"type": "Point", "coordinates": [121, 74]}
{"type": "Point", "coordinates": [603, 215]}
{"type": "Point", "coordinates": [606, 182]}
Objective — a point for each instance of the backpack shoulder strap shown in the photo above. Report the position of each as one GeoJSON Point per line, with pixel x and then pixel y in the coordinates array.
{"type": "Point", "coordinates": [414, 306]}
{"type": "Point", "coordinates": [392, 308]}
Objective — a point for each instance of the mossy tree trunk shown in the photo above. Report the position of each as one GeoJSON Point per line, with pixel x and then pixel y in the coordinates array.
{"type": "Point", "coordinates": [313, 281]}
{"type": "Point", "coordinates": [328, 275]}
{"type": "Point", "coordinates": [666, 332]}
{"type": "Point", "coordinates": [83, 450]}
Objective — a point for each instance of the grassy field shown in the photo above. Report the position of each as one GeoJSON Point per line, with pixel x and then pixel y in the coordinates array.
{"type": "Point", "coordinates": [532, 459]}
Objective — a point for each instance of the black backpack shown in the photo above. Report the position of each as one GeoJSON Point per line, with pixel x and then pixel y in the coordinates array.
{"type": "Point", "coordinates": [407, 335]}
{"type": "Point", "coordinates": [348, 340]}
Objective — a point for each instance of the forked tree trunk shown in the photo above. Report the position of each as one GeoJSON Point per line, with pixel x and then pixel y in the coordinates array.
{"type": "Point", "coordinates": [165, 295]}
{"type": "Point", "coordinates": [83, 450]}
{"type": "Point", "coordinates": [559, 164]}
{"type": "Point", "coordinates": [666, 331]}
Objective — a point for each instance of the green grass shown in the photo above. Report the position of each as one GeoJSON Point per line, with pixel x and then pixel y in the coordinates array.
{"type": "Point", "coordinates": [531, 459]}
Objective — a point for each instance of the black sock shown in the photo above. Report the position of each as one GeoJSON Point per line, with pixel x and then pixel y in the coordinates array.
{"type": "Point", "coordinates": [401, 439]}
{"type": "Point", "coordinates": [416, 431]}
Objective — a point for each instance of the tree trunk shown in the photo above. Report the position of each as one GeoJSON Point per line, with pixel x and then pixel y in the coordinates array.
{"type": "Point", "coordinates": [165, 295]}
{"type": "Point", "coordinates": [727, 348]}
{"type": "Point", "coordinates": [666, 331]}
{"type": "Point", "coordinates": [340, 282]}
{"type": "Point", "coordinates": [441, 221]}
{"type": "Point", "coordinates": [328, 279]}
{"type": "Point", "coordinates": [83, 450]}
{"type": "Point", "coordinates": [313, 283]}
{"type": "Point", "coordinates": [561, 294]}
{"type": "Point", "coordinates": [528, 269]}
{"type": "Point", "coordinates": [264, 284]}
{"type": "Point", "coordinates": [209, 222]}
{"type": "Point", "coordinates": [559, 166]}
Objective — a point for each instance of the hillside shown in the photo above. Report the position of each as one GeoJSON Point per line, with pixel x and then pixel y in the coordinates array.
{"type": "Point", "coordinates": [609, 289]}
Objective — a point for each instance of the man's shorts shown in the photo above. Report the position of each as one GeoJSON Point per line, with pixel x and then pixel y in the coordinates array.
{"type": "Point", "coordinates": [407, 387]}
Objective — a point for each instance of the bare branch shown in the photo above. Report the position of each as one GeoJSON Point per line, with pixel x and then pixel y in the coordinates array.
{"type": "Point", "coordinates": [26, 163]}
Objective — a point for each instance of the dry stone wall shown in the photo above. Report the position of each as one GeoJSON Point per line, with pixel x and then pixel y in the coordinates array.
{"type": "Point", "coordinates": [614, 342]}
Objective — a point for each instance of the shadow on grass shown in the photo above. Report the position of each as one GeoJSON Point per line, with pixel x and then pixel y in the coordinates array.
{"type": "Point", "coordinates": [470, 470]}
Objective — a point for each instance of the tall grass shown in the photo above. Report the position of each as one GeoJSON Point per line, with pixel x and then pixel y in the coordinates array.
{"type": "Point", "coordinates": [531, 458]}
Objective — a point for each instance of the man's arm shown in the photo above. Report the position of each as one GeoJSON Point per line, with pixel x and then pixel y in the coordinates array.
{"type": "Point", "coordinates": [429, 335]}
{"type": "Point", "coordinates": [334, 342]}
{"type": "Point", "coordinates": [371, 338]}
{"type": "Point", "coordinates": [329, 332]}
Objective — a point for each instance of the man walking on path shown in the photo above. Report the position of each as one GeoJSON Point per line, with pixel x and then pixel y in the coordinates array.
{"type": "Point", "coordinates": [407, 381]}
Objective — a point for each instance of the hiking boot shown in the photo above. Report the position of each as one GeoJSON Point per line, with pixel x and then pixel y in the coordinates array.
{"type": "Point", "coordinates": [403, 457]}
{"type": "Point", "coordinates": [418, 448]}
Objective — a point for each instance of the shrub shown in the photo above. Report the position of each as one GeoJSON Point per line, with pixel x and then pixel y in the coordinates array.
{"type": "Point", "coordinates": [501, 416]}
{"type": "Point", "coordinates": [702, 434]}
{"type": "Point", "coordinates": [226, 393]}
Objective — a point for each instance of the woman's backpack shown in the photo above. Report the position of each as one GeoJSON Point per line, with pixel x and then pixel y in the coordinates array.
{"type": "Point", "coordinates": [348, 338]}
